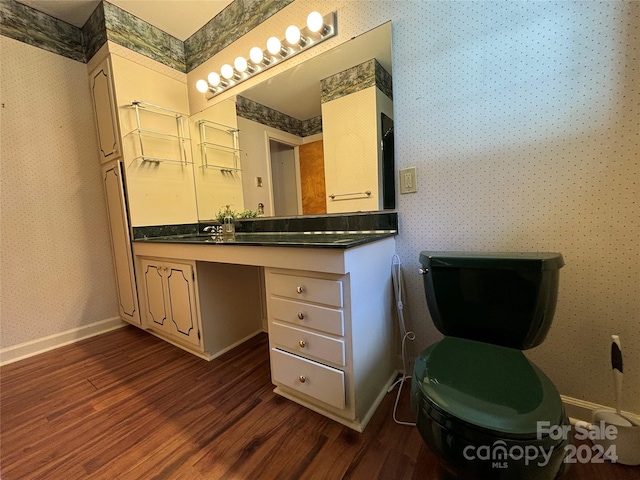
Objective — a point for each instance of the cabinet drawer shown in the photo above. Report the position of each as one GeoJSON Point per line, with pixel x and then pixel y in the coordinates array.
{"type": "Point", "coordinates": [318, 290]}
{"type": "Point", "coordinates": [305, 376]}
{"type": "Point", "coordinates": [304, 314]}
{"type": "Point", "coordinates": [307, 343]}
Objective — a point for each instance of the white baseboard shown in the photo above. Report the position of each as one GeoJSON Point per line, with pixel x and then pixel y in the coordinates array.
{"type": "Point", "coordinates": [582, 410]}
{"type": "Point", "coordinates": [40, 345]}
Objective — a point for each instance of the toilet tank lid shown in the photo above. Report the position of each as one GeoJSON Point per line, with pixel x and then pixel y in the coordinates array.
{"type": "Point", "coordinates": [512, 260]}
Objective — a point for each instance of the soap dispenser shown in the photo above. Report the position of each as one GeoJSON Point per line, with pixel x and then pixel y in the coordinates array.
{"type": "Point", "coordinates": [228, 226]}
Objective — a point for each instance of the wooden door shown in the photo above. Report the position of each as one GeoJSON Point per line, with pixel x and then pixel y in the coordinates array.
{"type": "Point", "coordinates": [314, 192]}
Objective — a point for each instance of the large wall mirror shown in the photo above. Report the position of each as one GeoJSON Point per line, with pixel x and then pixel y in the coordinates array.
{"type": "Point", "coordinates": [317, 138]}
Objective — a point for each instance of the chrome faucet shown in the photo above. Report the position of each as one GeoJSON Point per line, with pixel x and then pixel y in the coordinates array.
{"type": "Point", "coordinates": [215, 231]}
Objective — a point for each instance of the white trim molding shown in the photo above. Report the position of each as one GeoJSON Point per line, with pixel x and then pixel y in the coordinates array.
{"type": "Point", "coordinates": [40, 345]}
{"type": "Point", "coordinates": [583, 410]}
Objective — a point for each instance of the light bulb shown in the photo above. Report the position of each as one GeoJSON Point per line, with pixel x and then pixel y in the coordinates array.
{"type": "Point", "coordinates": [240, 63]}
{"type": "Point", "coordinates": [227, 71]}
{"type": "Point", "coordinates": [202, 86]}
{"type": "Point", "coordinates": [315, 22]}
{"type": "Point", "coordinates": [274, 46]}
{"type": "Point", "coordinates": [292, 34]}
{"type": "Point", "coordinates": [214, 79]}
{"type": "Point", "coordinates": [256, 55]}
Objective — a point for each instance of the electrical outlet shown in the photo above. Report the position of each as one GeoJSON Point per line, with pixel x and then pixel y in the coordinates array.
{"type": "Point", "coordinates": [407, 177]}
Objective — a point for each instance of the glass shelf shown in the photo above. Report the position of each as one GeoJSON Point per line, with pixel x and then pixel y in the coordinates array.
{"type": "Point", "coordinates": [165, 141]}
{"type": "Point", "coordinates": [157, 109]}
{"type": "Point", "coordinates": [222, 168]}
{"type": "Point", "coordinates": [216, 146]}
{"type": "Point", "coordinates": [147, 158]}
{"type": "Point", "coordinates": [219, 146]}
{"type": "Point", "coordinates": [218, 126]}
{"type": "Point", "coordinates": [156, 134]}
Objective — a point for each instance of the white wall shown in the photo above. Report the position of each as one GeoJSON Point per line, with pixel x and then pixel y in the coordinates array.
{"type": "Point", "coordinates": [350, 126]}
{"type": "Point", "coordinates": [216, 187]}
{"type": "Point", "coordinates": [57, 273]}
{"type": "Point", "coordinates": [159, 193]}
{"type": "Point", "coordinates": [522, 120]}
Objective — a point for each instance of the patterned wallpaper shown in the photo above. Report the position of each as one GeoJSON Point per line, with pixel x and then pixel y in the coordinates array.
{"type": "Point", "coordinates": [256, 112]}
{"type": "Point", "coordinates": [355, 79]}
{"type": "Point", "coordinates": [523, 120]}
{"type": "Point", "coordinates": [35, 28]}
{"type": "Point", "coordinates": [137, 35]}
{"type": "Point", "coordinates": [226, 27]}
{"type": "Point", "coordinates": [57, 272]}
{"type": "Point", "coordinates": [109, 22]}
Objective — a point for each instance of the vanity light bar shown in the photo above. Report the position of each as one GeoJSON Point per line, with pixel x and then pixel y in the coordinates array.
{"type": "Point", "coordinates": [318, 29]}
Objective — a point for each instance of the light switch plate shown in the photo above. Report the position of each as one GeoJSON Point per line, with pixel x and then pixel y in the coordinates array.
{"type": "Point", "coordinates": [407, 177]}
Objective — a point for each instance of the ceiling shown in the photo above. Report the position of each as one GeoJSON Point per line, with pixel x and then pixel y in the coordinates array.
{"type": "Point", "coordinates": [180, 18]}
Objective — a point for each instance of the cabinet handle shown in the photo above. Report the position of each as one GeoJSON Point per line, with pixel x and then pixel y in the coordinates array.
{"type": "Point", "coordinates": [302, 343]}
{"type": "Point", "coordinates": [302, 378]}
{"type": "Point", "coordinates": [300, 315]}
{"type": "Point", "coordinates": [299, 289]}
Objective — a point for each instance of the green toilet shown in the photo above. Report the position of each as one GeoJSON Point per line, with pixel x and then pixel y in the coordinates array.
{"type": "Point", "coordinates": [480, 404]}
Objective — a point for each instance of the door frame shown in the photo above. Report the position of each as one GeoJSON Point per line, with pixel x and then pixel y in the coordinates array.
{"type": "Point", "coordinates": [286, 140]}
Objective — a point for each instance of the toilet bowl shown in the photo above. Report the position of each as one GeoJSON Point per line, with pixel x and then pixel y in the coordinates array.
{"type": "Point", "coordinates": [480, 404]}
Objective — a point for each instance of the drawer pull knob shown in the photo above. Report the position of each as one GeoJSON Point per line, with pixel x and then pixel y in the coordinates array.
{"type": "Point", "coordinates": [299, 289]}
{"type": "Point", "coordinates": [300, 315]}
{"type": "Point", "coordinates": [302, 343]}
{"type": "Point", "coordinates": [302, 378]}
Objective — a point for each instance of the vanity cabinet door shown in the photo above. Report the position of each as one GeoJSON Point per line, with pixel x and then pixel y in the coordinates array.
{"type": "Point", "coordinates": [171, 299]}
{"type": "Point", "coordinates": [105, 112]}
{"type": "Point", "coordinates": [156, 303]}
{"type": "Point", "coordinates": [120, 243]}
{"type": "Point", "coordinates": [182, 303]}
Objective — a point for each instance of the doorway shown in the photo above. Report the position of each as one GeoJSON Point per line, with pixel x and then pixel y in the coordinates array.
{"type": "Point", "coordinates": [284, 178]}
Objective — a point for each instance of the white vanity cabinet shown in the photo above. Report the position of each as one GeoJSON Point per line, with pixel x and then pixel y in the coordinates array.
{"type": "Point", "coordinates": [306, 334]}
{"type": "Point", "coordinates": [170, 305]}
{"type": "Point", "coordinates": [329, 315]}
{"type": "Point", "coordinates": [331, 336]}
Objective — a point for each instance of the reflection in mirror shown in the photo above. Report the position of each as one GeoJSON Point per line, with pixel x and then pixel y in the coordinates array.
{"type": "Point", "coordinates": [216, 157]}
{"type": "Point", "coordinates": [309, 139]}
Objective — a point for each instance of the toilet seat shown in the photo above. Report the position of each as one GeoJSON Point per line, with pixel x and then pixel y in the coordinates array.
{"type": "Point", "coordinates": [476, 389]}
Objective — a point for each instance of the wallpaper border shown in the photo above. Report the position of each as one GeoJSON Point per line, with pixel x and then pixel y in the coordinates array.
{"type": "Point", "coordinates": [109, 22]}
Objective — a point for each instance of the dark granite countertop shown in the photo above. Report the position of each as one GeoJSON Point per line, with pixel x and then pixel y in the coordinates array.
{"type": "Point", "coordinates": [282, 239]}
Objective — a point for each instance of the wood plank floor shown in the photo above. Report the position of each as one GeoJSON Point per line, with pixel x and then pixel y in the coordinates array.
{"type": "Point", "coordinates": [127, 405]}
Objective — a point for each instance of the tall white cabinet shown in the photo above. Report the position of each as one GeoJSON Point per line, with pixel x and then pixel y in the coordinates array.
{"type": "Point", "coordinates": [136, 195]}
{"type": "Point", "coordinates": [110, 154]}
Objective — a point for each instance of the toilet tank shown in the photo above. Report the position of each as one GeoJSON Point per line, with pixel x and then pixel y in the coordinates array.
{"type": "Point", "coordinates": [506, 299]}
